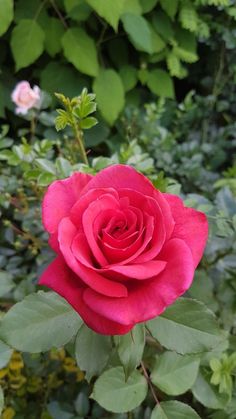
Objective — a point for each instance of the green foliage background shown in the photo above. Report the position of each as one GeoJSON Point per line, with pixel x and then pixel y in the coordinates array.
{"type": "Point", "coordinates": [134, 46]}
{"type": "Point", "coordinates": [164, 75]}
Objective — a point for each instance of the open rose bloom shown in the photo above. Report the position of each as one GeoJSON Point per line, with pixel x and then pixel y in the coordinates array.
{"type": "Point", "coordinates": [125, 251]}
{"type": "Point", "coordinates": [25, 98]}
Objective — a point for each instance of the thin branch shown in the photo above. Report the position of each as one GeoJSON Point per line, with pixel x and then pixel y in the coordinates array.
{"type": "Point", "coordinates": [145, 373]}
{"type": "Point", "coordinates": [61, 17]}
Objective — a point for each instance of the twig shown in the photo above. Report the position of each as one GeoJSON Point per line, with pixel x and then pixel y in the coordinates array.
{"type": "Point", "coordinates": [59, 14]}
{"type": "Point", "coordinates": [149, 382]}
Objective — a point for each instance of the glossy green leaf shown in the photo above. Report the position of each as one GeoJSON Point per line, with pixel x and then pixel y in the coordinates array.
{"type": "Point", "coordinates": [39, 322]}
{"type": "Point", "coordinates": [117, 395]}
{"type": "Point", "coordinates": [174, 374]}
{"type": "Point", "coordinates": [139, 32]}
{"type": "Point", "coordinates": [160, 83]}
{"type": "Point", "coordinates": [27, 42]}
{"type": "Point", "coordinates": [173, 410]}
{"type": "Point", "coordinates": [110, 101]}
{"type": "Point", "coordinates": [130, 348]}
{"type": "Point", "coordinates": [187, 326]}
{"type": "Point", "coordinates": [110, 10]}
{"type": "Point", "coordinates": [53, 35]}
{"type": "Point", "coordinates": [6, 15]}
{"type": "Point", "coordinates": [92, 351]}
{"type": "Point", "coordinates": [80, 50]}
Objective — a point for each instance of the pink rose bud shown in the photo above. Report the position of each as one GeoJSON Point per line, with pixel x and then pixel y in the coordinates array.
{"type": "Point", "coordinates": [125, 251]}
{"type": "Point", "coordinates": [25, 98]}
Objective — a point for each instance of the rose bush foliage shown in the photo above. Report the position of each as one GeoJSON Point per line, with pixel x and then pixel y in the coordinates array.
{"type": "Point", "coordinates": [125, 251]}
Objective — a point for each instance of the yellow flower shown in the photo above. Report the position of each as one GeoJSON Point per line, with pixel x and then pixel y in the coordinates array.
{"type": "Point", "coordinates": [16, 362]}
{"type": "Point", "coordinates": [8, 413]}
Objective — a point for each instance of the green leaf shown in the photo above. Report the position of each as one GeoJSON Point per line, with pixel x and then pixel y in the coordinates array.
{"type": "Point", "coordinates": [188, 17]}
{"type": "Point", "coordinates": [130, 348]}
{"type": "Point", "coordinates": [170, 7]}
{"type": "Point", "coordinates": [139, 32]}
{"type": "Point", "coordinates": [53, 34]}
{"type": "Point", "coordinates": [57, 74]}
{"type": "Point", "coordinates": [39, 322]}
{"type": "Point", "coordinates": [63, 167]}
{"type": "Point", "coordinates": [157, 43]}
{"type": "Point", "coordinates": [77, 10]}
{"type": "Point", "coordinates": [207, 394]}
{"type": "Point", "coordinates": [110, 101]}
{"type": "Point", "coordinates": [5, 354]}
{"type": "Point", "coordinates": [110, 10]}
{"type": "Point", "coordinates": [88, 123]}
{"type": "Point", "coordinates": [27, 42]}
{"type": "Point", "coordinates": [44, 179]}
{"type": "Point", "coordinates": [186, 327]}
{"type": "Point", "coordinates": [6, 14]}
{"type": "Point", "coordinates": [92, 351]}
{"type": "Point", "coordinates": [117, 395]}
{"type": "Point", "coordinates": [80, 50]}
{"type": "Point", "coordinates": [173, 410]}
{"type": "Point", "coordinates": [46, 165]}
{"type": "Point", "coordinates": [6, 283]}
{"type": "Point", "coordinates": [132, 6]}
{"type": "Point", "coordinates": [129, 77]}
{"type": "Point", "coordinates": [163, 25]}
{"type": "Point", "coordinates": [1, 400]}
{"type": "Point", "coordinates": [160, 83]}
{"type": "Point", "coordinates": [174, 374]}
{"type": "Point", "coordinates": [148, 5]}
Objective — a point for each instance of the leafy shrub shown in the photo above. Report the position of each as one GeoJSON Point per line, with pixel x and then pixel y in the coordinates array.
{"type": "Point", "coordinates": [129, 46]}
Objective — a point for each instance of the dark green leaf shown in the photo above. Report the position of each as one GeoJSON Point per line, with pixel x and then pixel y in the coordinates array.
{"type": "Point", "coordinates": [130, 348]}
{"type": "Point", "coordinates": [173, 410]}
{"type": "Point", "coordinates": [39, 322]}
{"type": "Point", "coordinates": [186, 327]}
{"type": "Point", "coordinates": [115, 394]}
{"type": "Point", "coordinates": [94, 359]}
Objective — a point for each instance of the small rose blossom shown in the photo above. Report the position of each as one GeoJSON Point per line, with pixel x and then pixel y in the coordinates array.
{"type": "Point", "coordinates": [25, 98]}
{"type": "Point", "coordinates": [125, 251]}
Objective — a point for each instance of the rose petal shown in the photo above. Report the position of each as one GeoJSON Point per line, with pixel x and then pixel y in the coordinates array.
{"type": "Point", "coordinates": [61, 195]}
{"type": "Point", "coordinates": [147, 300]}
{"type": "Point", "coordinates": [103, 203]}
{"type": "Point", "coordinates": [66, 234]}
{"type": "Point", "coordinates": [62, 280]}
{"type": "Point", "coordinates": [190, 226]}
{"type": "Point", "coordinates": [117, 177]}
{"type": "Point", "coordinates": [80, 206]}
{"type": "Point", "coordinates": [136, 271]}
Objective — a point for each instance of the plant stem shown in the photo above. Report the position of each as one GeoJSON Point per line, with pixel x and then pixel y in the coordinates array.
{"type": "Point", "coordinates": [79, 138]}
{"type": "Point", "coordinates": [149, 382]}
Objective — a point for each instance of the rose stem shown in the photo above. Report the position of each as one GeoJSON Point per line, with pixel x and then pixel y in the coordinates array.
{"type": "Point", "coordinates": [149, 382]}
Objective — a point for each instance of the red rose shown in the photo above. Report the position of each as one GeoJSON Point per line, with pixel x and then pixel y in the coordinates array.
{"type": "Point", "coordinates": [125, 250]}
